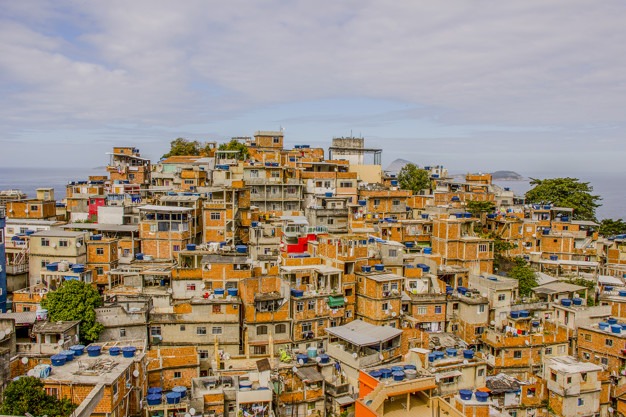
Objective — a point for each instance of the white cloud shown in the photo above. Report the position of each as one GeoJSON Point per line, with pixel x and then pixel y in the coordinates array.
{"type": "Point", "coordinates": [157, 65]}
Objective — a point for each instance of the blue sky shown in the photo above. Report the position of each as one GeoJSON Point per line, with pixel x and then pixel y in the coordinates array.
{"type": "Point", "coordinates": [533, 86]}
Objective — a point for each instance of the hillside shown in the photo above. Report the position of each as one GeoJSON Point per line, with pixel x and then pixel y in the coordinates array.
{"type": "Point", "coordinates": [506, 176]}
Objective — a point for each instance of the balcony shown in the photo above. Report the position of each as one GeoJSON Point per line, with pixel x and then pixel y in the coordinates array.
{"type": "Point", "coordinates": [362, 360]}
{"type": "Point", "coordinates": [17, 269]}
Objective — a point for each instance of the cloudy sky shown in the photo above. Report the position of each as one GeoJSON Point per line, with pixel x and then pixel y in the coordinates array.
{"type": "Point", "coordinates": [532, 86]}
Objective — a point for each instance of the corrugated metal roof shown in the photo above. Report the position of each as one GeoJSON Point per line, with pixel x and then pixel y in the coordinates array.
{"type": "Point", "coordinates": [361, 333]}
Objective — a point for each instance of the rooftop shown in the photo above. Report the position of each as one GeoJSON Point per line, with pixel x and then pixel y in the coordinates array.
{"type": "Point", "coordinates": [570, 365]}
{"type": "Point", "coordinates": [57, 232]}
{"type": "Point", "coordinates": [557, 288]}
{"type": "Point", "coordinates": [152, 207]}
{"type": "Point", "coordinates": [361, 333]}
{"type": "Point", "coordinates": [46, 327]}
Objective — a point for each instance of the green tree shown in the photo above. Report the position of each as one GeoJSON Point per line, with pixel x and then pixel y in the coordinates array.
{"type": "Point", "coordinates": [477, 208]}
{"type": "Point", "coordinates": [525, 275]}
{"type": "Point", "coordinates": [183, 147]}
{"type": "Point", "coordinates": [610, 227]}
{"type": "Point", "coordinates": [413, 178]}
{"type": "Point", "coordinates": [591, 289]}
{"type": "Point", "coordinates": [565, 192]}
{"type": "Point", "coordinates": [27, 395]}
{"type": "Point", "coordinates": [75, 300]}
{"type": "Point", "coordinates": [235, 145]}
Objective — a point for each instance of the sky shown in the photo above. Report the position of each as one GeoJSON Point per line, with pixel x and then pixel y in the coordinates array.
{"type": "Point", "coordinates": [538, 87]}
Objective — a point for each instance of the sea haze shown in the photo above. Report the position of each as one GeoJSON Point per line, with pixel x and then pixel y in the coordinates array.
{"type": "Point", "coordinates": [609, 187]}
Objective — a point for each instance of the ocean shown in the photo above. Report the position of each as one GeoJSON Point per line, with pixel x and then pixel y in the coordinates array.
{"type": "Point", "coordinates": [609, 187]}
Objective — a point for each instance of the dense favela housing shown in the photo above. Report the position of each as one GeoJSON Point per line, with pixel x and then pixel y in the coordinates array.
{"type": "Point", "coordinates": [256, 280]}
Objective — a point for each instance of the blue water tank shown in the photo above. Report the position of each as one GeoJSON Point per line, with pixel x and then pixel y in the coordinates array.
{"type": "Point", "coordinates": [566, 302]}
{"type": "Point", "coordinates": [481, 397]}
{"type": "Point", "coordinates": [129, 351]}
{"type": "Point", "coordinates": [379, 267]}
{"type": "Point", "coordinates": [172, 397]}
{"type": "Point", "coordinates": [114, 351]}
{"type": "Point", "coordinates": [428, 251]}
{"type": "Point", "coordinates": [94, 351]}
{"type": "Point", "coordinates": [465, 394]}
{"type": "Point", "coordinates": [233, 292]}
{"type": "Point", "coordinates": [191, 246]}
{"type": "Point", "coordinates": [153, 399]}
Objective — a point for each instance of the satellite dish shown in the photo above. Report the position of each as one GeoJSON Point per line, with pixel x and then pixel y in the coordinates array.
{"type": "Point", "coordinates": [136, 373]}
{"type": "Point", "coordinates": [61, 342]}
{"type": "Point", "coordinates": [394, 314]}
{"type": "Point", "coordinates": [25, 360]}
{"type": "Point", "coordinates": [192, 411]}
{"type": "Point", "coordinates": [2, 334]}
{"type": "Point", "coordinates": [295, 369]}
{"type": "Point", "coordinates": [381, 357]}
{"type": "Point", "coordinates": [355, 355]}
{"type": "Point", "coordinates": [300, 362]}
{"type": "Point", "coordinates": [187, 415]}
{"type": "Point", "coordinates": [169, 290]}
{"type": "Point", "coordinates": [318, 359]}
{"type": "Point", "coordinates": [31, 372]}
{"type": "Point", "coordinates": [78, 245]}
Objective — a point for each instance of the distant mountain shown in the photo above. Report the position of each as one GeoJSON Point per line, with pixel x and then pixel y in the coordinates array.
{"type": "Point", "coordinates": [397, 165]}
{"type": "Point", "coordinates": [506, 176]}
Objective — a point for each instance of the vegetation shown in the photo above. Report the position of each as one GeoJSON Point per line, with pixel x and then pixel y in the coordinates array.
{"type": "Point", "coordinates": [413, 178]}
{"type": "Point", "coordinates": [501, 261]}
{"type": "Point", "coordinates": [183, 147]}
{"type": "Point", "coordinates": [76, 300]}
{"type": "Point", "coordinates": [525, 275]}
{"type": "Point", "coordinates": [27, 395]}
{"type": "Point", "coordinates": [565, 192]}
{"type": "Point", "coordinates": [235, 145]}
{"type": "Point", "coordinates": [477, 208]}
{"type": "Point", "coordinates": [610, 227]}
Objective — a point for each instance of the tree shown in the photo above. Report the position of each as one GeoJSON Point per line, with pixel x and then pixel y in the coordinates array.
{"type": "Point", "coordinates": [413, 178]}
{"type": "Point", "coordinates": [565, 192]}
{"type": "Point", "coordinates": [183, 147]}
{"type": "Point", "coordinates": [75, 300]}
{"type": "Point", "coordinates": [525, 275]}
{"type": "Point", "coordinates": [235, 145]}
{"type": "Point", "coordinates": [610, 227]}
{"type": "Point", "coordinates": [479, 207]}
{"type": "Point", "coordinates": [27, 395]}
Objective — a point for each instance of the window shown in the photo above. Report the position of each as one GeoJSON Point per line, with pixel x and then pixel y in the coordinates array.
{"type": "Point", "coordinates": [200, 330]}
{"type": "Point", "coordinates": [34, 208]}
{"type": "Point", "coordinates": [217, 308]}
{"type": "Point", "coordinates": [385, 306]}
{"type": "Point", "coordinates": [481, 372]}
{"type": "Point", "coordinates": [261, 330]}
{"type": "Point", "coordinates": [604, 361]}
{"type": "Point", "coordinates": [479, 330]}
{"type": "Point", "coordinates": [482, 247]}
{"type": "Point", "coordinates": [553, 376]}
{"type": "Point", "coordinates": [300, 306]}
{"type": "Point", "coordinates": [178, 374]}
{"type": "Point", "coordinates": [393, 253]}
{"type": "Point", "coordinates": [54, 392]}
{"type": "Point", "coordinates": [276, 140]}
{"type": "Point", "coordinates": [256, 350]}
{"type": "Point", "coordinates": [501, 297]}
{"type": "Point", "coordinates": [330, 220]}
{"type": "Point", "coordinates": [517, 354]}
{"type": "Point", "coordinates": [586, 355]}
{"type": "Point", "coordinates": [63, 243]}
{"type": "Point", "coordinates": [348, 292]}
{"type": "Point", "coordinates": [376, 202]}
{"type": "Point", "coordinates": [203, 354]}
{"type": "Point", "coordinates": [569, 379]}
{"type": "Point", "coordinates": [182, 328]}
{"type": "Point", "coordinates": [455, 306]}
{"type": "Point", "coordinates": [481, 308]}
{"type": "Point", "coordinates": [280, 329]}
{"type": "Point", "coordinates": [454, 327]}
{"type": "Point", "coordinates": [191, 287]}
{"type": "Point", "coordinates": [581, 402]}
{"type": "Point", "coordinates": [99, 251]}
{"type": "Point", "coordinates": [114, 386]}
{"type": "Point", "coordinates": [216, 215]}
{"type": "Point", "coordinates": [608, 342]}
{"type": "Point", "coordinates": [99, 270]}
{"type": "Point", "coordinates": [122, 332]}
{"type": "Point", "coordinates": [307, 327]}
{"type": "Point", "coordinates": [587, 337]}
{"type": "Point", "coordinates": [216, 330]}
{"type": "Point", "coordinates": [385, 287]}
{"type": "Point", "coordinates": [176, 248]}
{"type": "Point", "coordinates": [155, 331]}
{"type": "Point", "coordinates": [320, 322]}
{"type": "Point", "coordinates": [421, 310]}
{"type": "Point", "coordinates": [45, 241]}
{"type": "Point", "coordinates": [548, 351]}
{"type": "Point", "coordinates": [275, 173]}
{"type": "Point", "coordinates": [348, 314]}
{"type": "Point", "coordinates": [311, 305]}
{"type": "Point", "coordinates": [437, 309]}
{"type": "Point", "coordinates": [254, 173]}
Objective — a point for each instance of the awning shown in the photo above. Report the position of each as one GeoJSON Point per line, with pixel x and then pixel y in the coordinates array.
{"type": "Point", "coordinates": [335, 301]}
{"type": "Point", "coordinates": [449, 374]}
